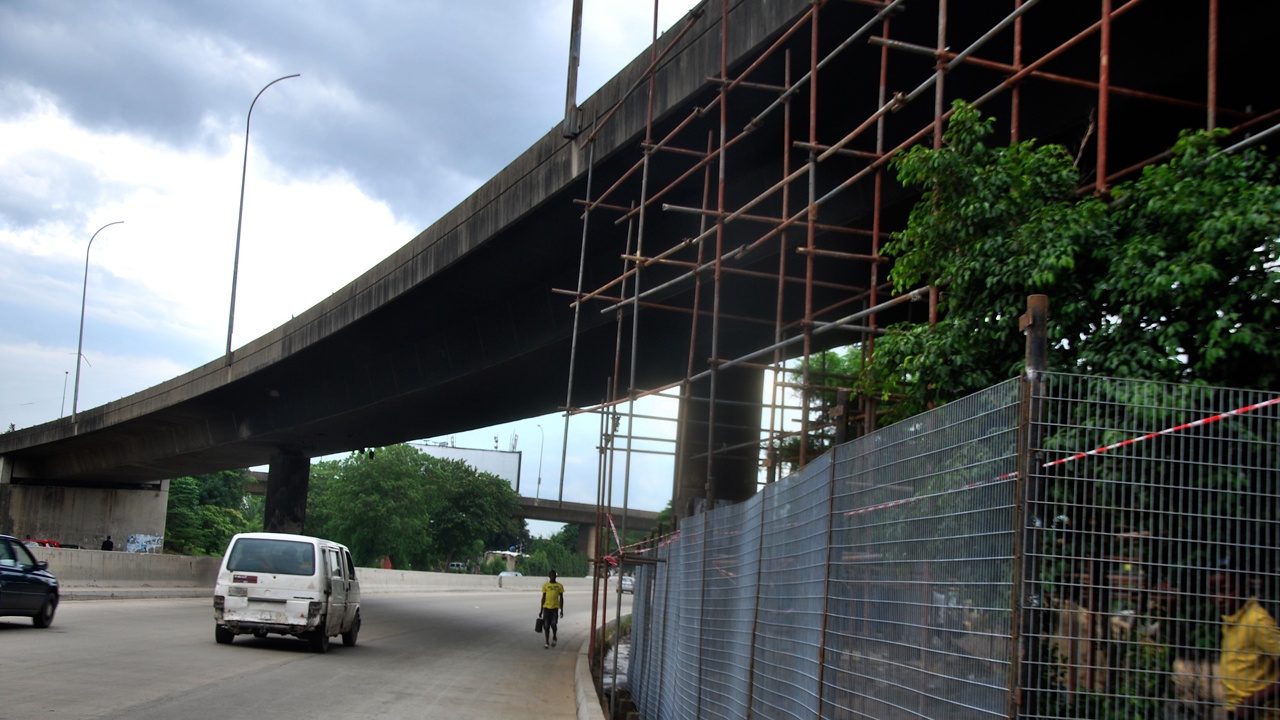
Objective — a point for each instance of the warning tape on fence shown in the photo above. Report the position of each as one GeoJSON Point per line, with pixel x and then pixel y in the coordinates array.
{"type": "Point", "coordinates": [616, 556]}
{"type": "Point", "coordinates": [1088, 453]}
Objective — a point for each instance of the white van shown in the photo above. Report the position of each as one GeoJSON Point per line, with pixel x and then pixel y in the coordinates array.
{"type": "Point", "coordinates": [287, 585]}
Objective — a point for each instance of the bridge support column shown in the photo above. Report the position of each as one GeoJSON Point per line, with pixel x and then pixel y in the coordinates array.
{"type": "Point", "coordinates": [285, 507]}
{"type": "Point", "coordinates": [587, 540]}
{"type": "Point", "coordinates": [6, 501]}
{"type": "Point", "coordinates": [730, 476]}
{"type": "Point", "coordinates": [80, 517]}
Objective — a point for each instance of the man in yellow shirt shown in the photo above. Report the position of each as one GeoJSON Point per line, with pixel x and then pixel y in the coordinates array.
{"type": "Point", "coordinates": [552, 608]}
{"type": "Point", "coordinates": [1250, 660]}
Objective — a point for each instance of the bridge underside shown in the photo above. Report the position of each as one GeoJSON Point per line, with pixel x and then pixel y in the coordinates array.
{"type": "Point", "coordinates": [724, 223]}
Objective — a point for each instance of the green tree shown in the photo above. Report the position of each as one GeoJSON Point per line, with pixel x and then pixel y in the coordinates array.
{"type": "Point", "coordinates": [552, 554]}
{"type": "Point", "coordinates": [1191, 291]}
{"type": "Point", "coordinates": [224, 489]}
{"type": "Point", "coordinates": [1174, 280]}
{"type": "Point", "coordinates": [468, 507]}
{"type": "Point", "coordinates": [182, 516]}
{"type": "Point", "coordinates": [376, 504]}
{"type": "Point", "coordinates": [204, 511]}
{"type": "Point", "coordinates": [420, 510]}
{"type": "Point", "coordinates": [829, 372]}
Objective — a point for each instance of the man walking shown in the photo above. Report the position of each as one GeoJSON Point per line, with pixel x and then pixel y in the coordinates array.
{"type": "Point", "coordinates": [552, 608]}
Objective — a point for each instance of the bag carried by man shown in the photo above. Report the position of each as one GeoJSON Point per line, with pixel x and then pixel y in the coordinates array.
{"type": "Point", "coordinates": [537, 625]}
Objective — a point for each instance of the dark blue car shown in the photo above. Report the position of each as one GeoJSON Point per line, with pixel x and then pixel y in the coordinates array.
{"type": "Point", "coordinates": [27, 588]}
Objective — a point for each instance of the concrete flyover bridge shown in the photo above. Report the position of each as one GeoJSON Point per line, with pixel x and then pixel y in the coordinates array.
{"type": "Point", "coordinates": [715, 210]}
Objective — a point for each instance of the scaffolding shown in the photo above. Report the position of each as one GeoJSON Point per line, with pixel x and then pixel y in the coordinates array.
{"type": "Point", "coordinates": [830, 99]}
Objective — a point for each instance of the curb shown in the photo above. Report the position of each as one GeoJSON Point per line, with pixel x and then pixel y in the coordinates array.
{"type": "Point", "coordinates": [584, 686]}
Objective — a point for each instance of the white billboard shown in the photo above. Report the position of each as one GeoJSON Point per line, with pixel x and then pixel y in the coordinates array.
{"type": "Point", "coordinates": [504, 464]}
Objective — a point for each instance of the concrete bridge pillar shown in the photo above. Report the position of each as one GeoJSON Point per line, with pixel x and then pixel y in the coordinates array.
{"type": "Point", "coordinates": [6, 501]}
{"type": "Point", "coordinates": [80, 517]}
{"type": "Point", "coordinates": [285, 507]}
{"type": "Point", "coordinates": [728, 473]}
{"type": "Point", "coordinates": [587, 540]}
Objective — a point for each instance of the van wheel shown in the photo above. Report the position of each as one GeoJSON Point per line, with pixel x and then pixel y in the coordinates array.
{"type": "Point", "coordinates": [319, 641]}
{"type": "Point", "coordinates": [222, 635]}
{"type": "Point", "coordinates": [349, 637]}
{"type": "Point", "coordinates": [44, 618]}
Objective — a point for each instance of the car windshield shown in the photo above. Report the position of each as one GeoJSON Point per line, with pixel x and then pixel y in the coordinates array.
{"type": "Point", "coordinates": [266, 555]}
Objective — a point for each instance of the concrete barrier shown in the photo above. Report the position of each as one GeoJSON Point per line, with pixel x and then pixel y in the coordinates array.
{"type": "Point", "coordinates": [381, 580]}
{"type": "Point", "coordinates": [101, 569]}
{"type": "Point", "coordinates": [98, 568]}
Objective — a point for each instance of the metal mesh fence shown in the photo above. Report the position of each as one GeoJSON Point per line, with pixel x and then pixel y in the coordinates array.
{"type": "Point", "coordinates": [886, 579]}
{"type": "Point", "coordinates": [1142, 494]}
{"type": "Point", "coordinates": [920, 616]}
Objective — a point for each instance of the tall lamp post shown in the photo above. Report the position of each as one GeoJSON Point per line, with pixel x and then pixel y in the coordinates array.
{"type": "Point", "coordinates": [235, 267]}
{"type": "Point", "coordinates": [542, 441]}
{"type": "Point", "coordinates": [75, 396]}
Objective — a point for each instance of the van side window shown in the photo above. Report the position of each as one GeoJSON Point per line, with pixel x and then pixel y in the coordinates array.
{"type": "Point", "coordinates": [335, 569]}
{"type": "Point", "coordinates": [351, 566]}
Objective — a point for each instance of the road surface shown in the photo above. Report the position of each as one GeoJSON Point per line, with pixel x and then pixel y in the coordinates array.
{"type": "Point", "coordinates": [458, 655]}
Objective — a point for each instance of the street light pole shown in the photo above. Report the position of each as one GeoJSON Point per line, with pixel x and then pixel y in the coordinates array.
{"type": "Point", "coordinates": [244, 169]}
{"type": "Point", "coordinates": [542, 441]}
{"type": "Point", "coordinates": [84, 291]}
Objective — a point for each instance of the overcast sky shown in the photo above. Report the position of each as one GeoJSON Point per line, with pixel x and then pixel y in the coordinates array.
{"type": "Point", "coordinates": [135, 111]}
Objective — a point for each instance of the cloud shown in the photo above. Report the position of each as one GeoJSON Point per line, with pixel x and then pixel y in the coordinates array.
{"type": "Point", "coordinates": [135, 111]}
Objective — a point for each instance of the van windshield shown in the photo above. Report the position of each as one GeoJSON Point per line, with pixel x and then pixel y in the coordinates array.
{"type": "Point", "coordinates": [286, 557]}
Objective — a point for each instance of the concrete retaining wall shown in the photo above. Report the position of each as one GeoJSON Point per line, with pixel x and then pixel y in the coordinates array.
{"type": "Point", "coordinates": [83, 516]}
{"type": "Point", "coordinates": [95, 568]}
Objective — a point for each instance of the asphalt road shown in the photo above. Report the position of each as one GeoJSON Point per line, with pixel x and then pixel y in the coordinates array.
{"type": "Point", "coordinates": [447, 655]}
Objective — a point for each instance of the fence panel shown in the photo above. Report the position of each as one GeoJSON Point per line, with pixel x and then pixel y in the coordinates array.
{"type": "Point", "coordinates": [883, 586]}
{"type": "Point", "coordinates": [684, 636]}
{"type": "Point", "coordinates": [792, 588]}
{"type": "Point", "coordinates": [729, 613]}
{"type": "Point", "coordinates": [1147, 490]}
{"type": "Point", "coordinates": [921, 565]}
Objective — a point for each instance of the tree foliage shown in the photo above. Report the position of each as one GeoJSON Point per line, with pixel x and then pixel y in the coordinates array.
{"type": "Point", "coordinates": [376, 505]}
{"type": "Point", "coordinates": [419, 510]}
{"type": "Point", "coordinates": [204, 511]}
{"type": "Point", "coordinates": [1175, 277]}
{"type": "Point", "coordinates": [558, 552]}
{"type": "Point", "coordinates": [1173, 280]}
{"type": "Point", "coordinates": [829, 372]}
{"type": "Point", "coordinates": [469, 507]}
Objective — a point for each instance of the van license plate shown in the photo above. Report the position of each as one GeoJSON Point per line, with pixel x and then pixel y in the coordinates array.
{"type": "Point", "coordinates": [238, 591]}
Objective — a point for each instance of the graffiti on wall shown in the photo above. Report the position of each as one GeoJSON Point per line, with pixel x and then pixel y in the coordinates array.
{"type": "Point", "coordinates": [144, 543]}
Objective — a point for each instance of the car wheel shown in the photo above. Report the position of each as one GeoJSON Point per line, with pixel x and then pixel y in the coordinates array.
{"type": "Point", "coordinates": [44, 617]}
{"type": "Point", "coordinates": [223, 635]}
{"type": "Point", "coordinates": [349, 637]}
{"type": "Point", "coordinates": [319, 641]}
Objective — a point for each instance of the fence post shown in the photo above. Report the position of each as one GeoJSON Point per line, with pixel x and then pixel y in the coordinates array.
{"type": "Point", "coordinates": [1025, 603]}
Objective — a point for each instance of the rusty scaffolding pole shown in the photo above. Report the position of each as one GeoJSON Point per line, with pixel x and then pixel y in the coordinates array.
{"type": "Point", "coordinates": [826, 158]}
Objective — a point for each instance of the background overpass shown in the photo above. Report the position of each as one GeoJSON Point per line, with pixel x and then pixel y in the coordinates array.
{"type": "Point", "coordinates": [720, 208]}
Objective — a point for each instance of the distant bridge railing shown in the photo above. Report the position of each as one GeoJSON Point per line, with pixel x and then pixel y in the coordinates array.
{"type": "Point", "coordinates": [931, 569]}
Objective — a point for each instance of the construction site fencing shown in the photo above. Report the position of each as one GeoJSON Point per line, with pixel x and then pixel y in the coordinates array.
{"type": "Point", "coordinates": [1042, 549]}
